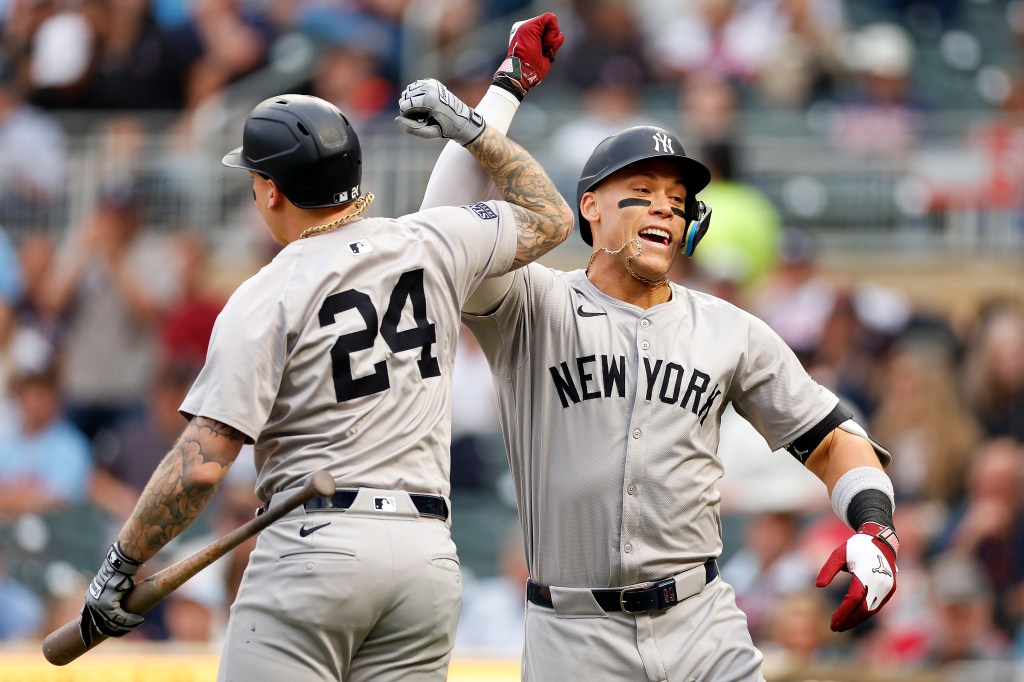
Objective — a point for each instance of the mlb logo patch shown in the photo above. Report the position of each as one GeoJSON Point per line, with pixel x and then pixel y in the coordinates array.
{"type": "Point", "coordinates": [384, 504]}
{"type": "Point", "coordinates": [359, 247]}
{"type": "Point", "coordinates": [483, 210]}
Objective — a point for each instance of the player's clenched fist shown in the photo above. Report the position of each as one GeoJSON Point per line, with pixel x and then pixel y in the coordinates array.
{"type": "Point", "coordinates": [532, 45]}
{"type": "Point", "coordinates": [429, 110]}
{"type": "Point", "coordinates": [870, 556]}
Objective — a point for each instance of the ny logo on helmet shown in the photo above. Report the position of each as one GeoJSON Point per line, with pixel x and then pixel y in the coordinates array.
{"type": "Point", "coordinates": [663, 143]}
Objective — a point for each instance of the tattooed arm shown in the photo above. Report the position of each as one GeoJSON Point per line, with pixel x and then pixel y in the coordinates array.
{"type": "Point", "coordinates": [181, 487]}
{"type": "Point", "coordinates": [543, 218]}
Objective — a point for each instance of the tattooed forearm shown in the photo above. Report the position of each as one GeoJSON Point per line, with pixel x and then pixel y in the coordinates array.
{"type": "Point", "coordinates": [543, 218]}
{"type": "Point", "coordinates": [219, 428]}
{"type": "Point", "coordinates": [182, 485]}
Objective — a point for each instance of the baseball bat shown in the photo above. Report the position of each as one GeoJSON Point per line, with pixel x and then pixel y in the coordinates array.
{"type": "Point", "coordinates": [74, 638]}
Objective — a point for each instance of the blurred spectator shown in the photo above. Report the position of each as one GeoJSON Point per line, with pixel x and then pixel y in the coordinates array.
{"type": "Point", "coordinates": [1000, 140]}
{"type": "Point", "coordinates": [60, 52]}
{"type": "Point", "coordinates": [230, 40]}
{"type": "Point", "coordinates": [36, 257]}
{"type": "Point", "coordinates": [603, 46]}
{"type": "Point", "coordinates": [924, 421]}
{"type": "Point", "coordinates": [188, 321]}
{"type": "Point", "coordinates": [804, 65]}
{"type": "Point", "coordinates": [964, 606]}
{"type": "Point", "coordinates": [128, 453]}
{"type": "Point", "coordinates": [29, 192]}
{"type": "Point", "coordinates": [45, 462]}
{"type": "Point", "coordinates": [22, 350]}
{"type": "Point", "coordinates": [351, 79]}
{"type": "Point", "coordinates": [493, 618]}
{"type": "Point", "coordinates": [858, 336]}
{"type": "Point", "coordinates": [112, 297]}
{"type": "Point", "coordinates": [139, 66]}
{"type": "Point", "coordinates": [608, 107]}
{"type": "Point", "coordinates": [22, 612]}
{"type": "Point", "coordinates": [994, 373]}
{"type": "Point", "coordinates": [882, 115]}
{"type": "Point", "coordinates": [989, 526]}
{"type": "Point", "coordinates": [727, 37]}
{"type": "Point", "coordinates": [477, 449]}
{"type": "Point", "coordinates": [797, 635]}
{"type": "Point", "coordinates": [744, 237]}
{"type": "Point", "coordinates": [709, 108]}
{"type": "Point", "coordinates": [796, 300]}
{"type": "Point", "coordinates": [768, 568]}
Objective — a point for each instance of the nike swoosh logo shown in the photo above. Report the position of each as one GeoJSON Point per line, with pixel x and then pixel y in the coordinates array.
{"type": "Point", "coordinates": [584, 313]}
{"type": "Point", "coordinates": [303, 532]}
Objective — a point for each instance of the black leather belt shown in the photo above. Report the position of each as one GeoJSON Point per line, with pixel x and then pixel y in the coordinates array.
{"type": "Point", "coordinates": [661, 595]}
{"type": "Point", "coordinates": [427, 505]}
{"type": "Point", "coordinates": [433, 506]}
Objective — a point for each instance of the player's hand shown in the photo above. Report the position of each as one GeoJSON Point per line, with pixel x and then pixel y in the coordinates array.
{"type": "Point", "coordinates": [532, 45]}
{"type": "Point", "coordinates": [103, 600]}
{"type": "Point", "coordinates": [870, 555]}
{"type": "Point", "coordinates": [429, 110]}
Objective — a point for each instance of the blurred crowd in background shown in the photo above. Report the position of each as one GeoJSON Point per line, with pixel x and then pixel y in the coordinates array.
{"type": "Point", "coordinates": [108, 292]}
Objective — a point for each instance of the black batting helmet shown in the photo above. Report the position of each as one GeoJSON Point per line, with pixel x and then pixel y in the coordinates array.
{"type": "Point", "coordinates": [306, 145]}
{"type": "Point", "coordinates": [638, 144]}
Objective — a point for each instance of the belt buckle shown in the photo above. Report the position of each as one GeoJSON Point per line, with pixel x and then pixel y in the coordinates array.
{"type": "Point", "coordinates": [622, 599]}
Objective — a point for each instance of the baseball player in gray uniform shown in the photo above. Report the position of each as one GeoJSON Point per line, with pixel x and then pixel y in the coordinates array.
{"type": "Point", "coordinates": [611, 384]}
{"type": "Point", "coordinates": [338, 355]}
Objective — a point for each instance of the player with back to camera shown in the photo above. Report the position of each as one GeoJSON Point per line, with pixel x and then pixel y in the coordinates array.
{"type": "Point", "coordinates": [611, 384]}
{"type": "Point", "coordinates": [338, 354]}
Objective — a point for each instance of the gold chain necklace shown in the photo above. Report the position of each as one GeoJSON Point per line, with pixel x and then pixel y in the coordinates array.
{"type": "Point", "coordinates": [361, 204]}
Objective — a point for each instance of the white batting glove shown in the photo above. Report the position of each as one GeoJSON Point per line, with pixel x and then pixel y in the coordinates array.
{"type": "Point", "coordinates": [429, 110]}
{"type": "Point", "coordinates": [870, 556]}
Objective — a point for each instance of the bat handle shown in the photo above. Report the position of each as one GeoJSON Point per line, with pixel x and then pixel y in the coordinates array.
{"type": "Point", "coordinates": [74, 638]}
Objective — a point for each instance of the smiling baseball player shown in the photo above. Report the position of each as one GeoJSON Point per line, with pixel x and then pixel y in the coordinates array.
{"type": "Point", "coordinates": [338, 355]}
{"type": "Point", "coordinates": [611, 384]}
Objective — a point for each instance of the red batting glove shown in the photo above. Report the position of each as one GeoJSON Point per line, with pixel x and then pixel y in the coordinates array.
{"type": "Point", "coordinates": [532, 45]}
{"type": "Point", "coordinates": [870, 555]}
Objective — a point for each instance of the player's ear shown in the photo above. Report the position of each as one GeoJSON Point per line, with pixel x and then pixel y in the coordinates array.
{"type": "Point", "coordinates": [588, 207]}
{"type": "Point", "coordinates": [274, 194]}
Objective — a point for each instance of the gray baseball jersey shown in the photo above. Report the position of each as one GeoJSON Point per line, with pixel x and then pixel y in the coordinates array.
{"type": "Point", "coordinates": [611, 417]}
{"type": "Point", "coordinates": [614, 454]}
{"type": "Point", "coordinates": [338, 353]}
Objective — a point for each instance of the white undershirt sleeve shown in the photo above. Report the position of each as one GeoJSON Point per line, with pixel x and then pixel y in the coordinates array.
{"type": "Point", "coordinates": [458, 179]}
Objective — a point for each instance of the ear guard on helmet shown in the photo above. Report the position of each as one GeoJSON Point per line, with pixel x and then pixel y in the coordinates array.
{"type": "Point", "coordinates": [698, 227]}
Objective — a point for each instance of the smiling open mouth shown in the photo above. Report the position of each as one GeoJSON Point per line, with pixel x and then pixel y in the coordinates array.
{"type": "Point", "coordinates": [656, 235]}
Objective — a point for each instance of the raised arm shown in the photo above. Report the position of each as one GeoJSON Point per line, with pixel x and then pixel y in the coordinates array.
{"type": "Point", "coordinates": [532, 46]}
{"type": "Point", "coordinates": [543, 218]}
